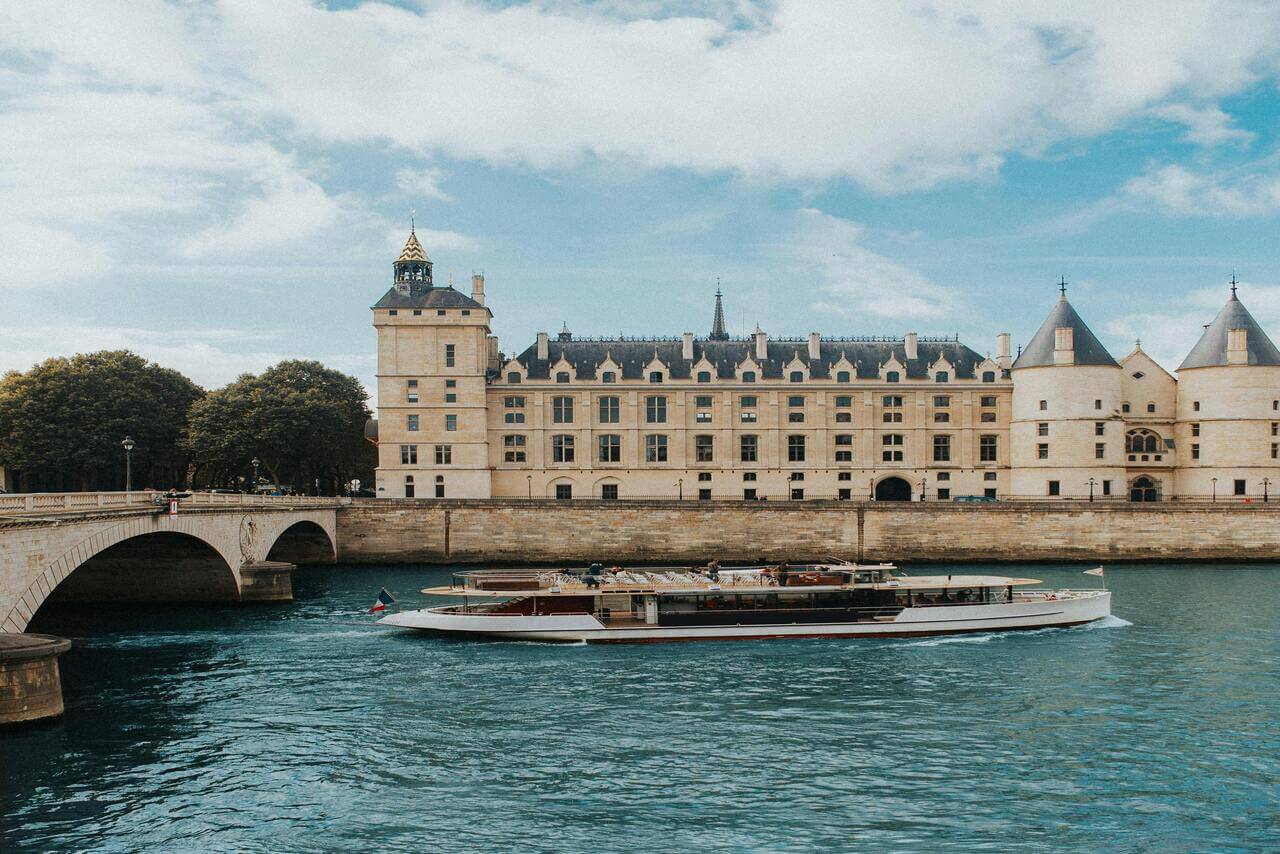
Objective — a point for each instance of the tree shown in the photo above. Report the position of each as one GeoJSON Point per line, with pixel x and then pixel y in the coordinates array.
{"type": "Point", "coordinates": [61, 423]}
{"type": "Point", "coordinates": [304, 421]}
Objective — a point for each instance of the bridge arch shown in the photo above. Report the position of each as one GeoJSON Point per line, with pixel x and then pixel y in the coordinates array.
{"type": "Point", "coordinates": [212, 545]}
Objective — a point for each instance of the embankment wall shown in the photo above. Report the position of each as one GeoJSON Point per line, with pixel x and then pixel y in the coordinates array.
{"type": "Point", "coordinates": [539, 531]}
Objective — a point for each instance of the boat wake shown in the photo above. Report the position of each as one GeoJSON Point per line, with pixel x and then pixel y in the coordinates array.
{"type": "Point", "coordinates": [1110, 621]}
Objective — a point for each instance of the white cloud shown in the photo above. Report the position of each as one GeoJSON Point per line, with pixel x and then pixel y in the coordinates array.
{"type": "Point", "coordinates": [423, 183]}
{"type": "Point", "coordinates": [1174, 189]}
{"type": "Point", "coordinates": [290, 207]}
{"type": "Point", "coordinates": [857, 282]}
{"type": "Point", "coordinates": [1206, 126]}
{"type": "Point", "coordinates": [34, 255]}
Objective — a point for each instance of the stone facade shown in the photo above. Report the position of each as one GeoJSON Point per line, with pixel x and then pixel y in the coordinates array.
{"type": "Point", "coordinates": [497, 531]}
{"type": "Point", "coordinates": [760, 418]}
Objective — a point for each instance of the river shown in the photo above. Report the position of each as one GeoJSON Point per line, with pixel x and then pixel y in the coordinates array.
{"type": "Point", "coordinates": [302, 727]}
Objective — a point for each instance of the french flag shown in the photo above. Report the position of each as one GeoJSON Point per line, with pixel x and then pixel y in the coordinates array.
{"type": "Point", "coordinates": [384, 599]}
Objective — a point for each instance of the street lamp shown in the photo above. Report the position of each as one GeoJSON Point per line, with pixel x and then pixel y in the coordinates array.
{"type": "Point", "coordinates": [255, 462]}
{"type": "Point", "coordinates": [680, 489]}
{"type": "Point", "coordinates": [922, 489]}
{"type": "Point", "coordinates": [1091, 483]}
{"type": "Point", "coordinates": [529, 478]}
{"type": "Point", "coordinates": [128, 445]}
{"type": "Point", "coordinates": [1266, 481]}
{"type": "Point", "coordinates": [871, 489]}
{"type": "Point", "coordinates": [1214, 480]}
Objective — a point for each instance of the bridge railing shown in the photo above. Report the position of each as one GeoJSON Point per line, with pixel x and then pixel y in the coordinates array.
{"type": "Point", "coordinates": [36, 503]}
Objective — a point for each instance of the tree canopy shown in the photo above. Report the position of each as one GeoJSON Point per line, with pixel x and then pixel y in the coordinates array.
{"type": "Point", "coordinates": [62, 422]}
{"type": "Point", "coordinates": [305, 422]}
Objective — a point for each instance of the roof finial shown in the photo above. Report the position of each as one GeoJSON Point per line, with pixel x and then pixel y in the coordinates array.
{"type": "Point", "coordinates": [1137, 343]}
{"type": "Point", "coordinates": [412, 214]}
{"type": "Point", "coordinates": [1234, 283]}
{"type": "Point", "coordinates": [1062, 286]}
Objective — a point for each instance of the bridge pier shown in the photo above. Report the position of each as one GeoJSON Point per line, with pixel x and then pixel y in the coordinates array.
{"type": "Point", "coordinates": [267, 581]}
{"type": "Point", "coordinates": [30, 682]}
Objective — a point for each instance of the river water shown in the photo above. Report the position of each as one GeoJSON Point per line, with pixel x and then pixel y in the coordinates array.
{"type": "Point", "coordinates": [302, 727]}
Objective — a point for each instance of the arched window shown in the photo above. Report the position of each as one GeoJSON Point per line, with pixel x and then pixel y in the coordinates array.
{"type": "Point", "coordinates": [797, 376]}
{"type": "Point", "coordinates": [891, 377]}
{"type": "Point", "coordinates": [513, 377]}
{"type": "Point", "coordinates": [562, 376]}
{"type": "Point", "coordinates": [748, 376]}
{"type": "Point", "coordinates": [704, 376]}
{"type": "Point", "coordinates": [1143, 442]}
{"type": "Point", "coordinates": [988, 376]}
{"type": "Point", "coordinates": [1151, 407]}
{"type": "Point", "coordinates": [842, 377]}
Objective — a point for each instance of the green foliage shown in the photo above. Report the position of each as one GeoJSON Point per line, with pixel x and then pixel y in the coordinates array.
{"type": "Point", "coordinates": [302, 420]}
{"type": "Point", "coordinates": [61, 422]}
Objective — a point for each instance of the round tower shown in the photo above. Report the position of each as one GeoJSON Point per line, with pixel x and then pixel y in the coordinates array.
{"type": "Point", "coordinates": [1065, 436]}
{"type": "Point", "coordinates": [1228, 410]}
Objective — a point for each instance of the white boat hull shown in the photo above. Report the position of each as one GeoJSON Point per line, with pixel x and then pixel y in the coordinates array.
{"type": "Point", "coordinates": [1068, 608]}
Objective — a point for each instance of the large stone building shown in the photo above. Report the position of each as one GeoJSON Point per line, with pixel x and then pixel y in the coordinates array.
{"type": "Point", "coordinates": [760, 418]}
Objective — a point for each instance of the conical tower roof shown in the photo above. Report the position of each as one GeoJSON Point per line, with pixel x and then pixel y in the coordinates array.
{"type": "Point", "coordinates": [718, 332]}
{"type": "Point", "coordinates": [1088, 349]}
{"type": "Point", "coordinates": [412, 250]}
{"type": "Point", "coordinates": [1211, 349]}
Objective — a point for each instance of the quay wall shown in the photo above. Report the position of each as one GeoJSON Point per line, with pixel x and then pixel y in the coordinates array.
{"type": "Point", "coordinates": [477, 531]}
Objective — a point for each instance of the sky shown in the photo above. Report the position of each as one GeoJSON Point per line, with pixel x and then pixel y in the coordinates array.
{"type": "Point", "coordinates": [221, 185]}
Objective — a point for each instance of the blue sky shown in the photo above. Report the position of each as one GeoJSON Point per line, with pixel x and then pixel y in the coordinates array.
{"type": "Point", "coordinates": [219, 185]}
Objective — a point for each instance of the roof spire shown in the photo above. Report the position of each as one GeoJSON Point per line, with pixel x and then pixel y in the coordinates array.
{"type": "Point", "coordinates": [718, 332]}
{"type": "Point", "coordinates": [1234, 283]}
{"type": "Point", "coordinates": [1062, 287]}
{"type": "Point", "coordinates": [412, 213]}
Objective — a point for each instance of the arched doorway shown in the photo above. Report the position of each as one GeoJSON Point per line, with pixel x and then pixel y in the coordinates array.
{"type": "Point", "coordinates": [1144, 489]}
{"type": "Point", "coordinates": [893, 489]}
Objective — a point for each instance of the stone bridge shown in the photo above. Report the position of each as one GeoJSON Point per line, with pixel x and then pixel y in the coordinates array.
{"type": "Point", "coordinates": [101, 547]}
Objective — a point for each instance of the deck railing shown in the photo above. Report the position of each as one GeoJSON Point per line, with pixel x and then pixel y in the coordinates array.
{"type": "Point", "coordinates": [53, 503]}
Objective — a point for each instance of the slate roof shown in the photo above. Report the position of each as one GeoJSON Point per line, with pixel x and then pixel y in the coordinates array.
{"type": "Point", "coordinates": [1088, 349]}
{"type": "Point", "coordinates": [633, 355]}
{"type": "Point", "coordinates": [420, 296]}
{"type": "Point", "coordinates": [1211, 349]}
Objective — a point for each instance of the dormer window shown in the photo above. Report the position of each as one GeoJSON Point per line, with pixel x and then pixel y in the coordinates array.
{"type": "Point", "coordinates": [797, 376]}
{"type": "Point", "coordinates": [942, 377]}
{"type": "Point", "coordinates": [842, 376]}
{"type": "Point", "coordinates": [513, 377]}
{"type": "Point", "coordinates": [704, 376]}
{"type": "Point", "coordinates": [988, 376]}
{"type": "Point", "coordinates": [393, 312]}
{"type": "Point", "coordinates": [655, 376]}
{"type": "Point", "coordinates": [562, 376]}
{"type": "Point", "coordinates": [891, 377]}
{"type": "Point", "coordinates": [417, 312]}
{"type": "Point", "coordinates": [608, 377]}
{"type": "Point", "coordinates": [748, 376]}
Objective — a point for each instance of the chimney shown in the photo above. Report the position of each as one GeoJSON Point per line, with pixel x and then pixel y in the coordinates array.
{"type": "Point", "coordinates": [762, 345]}
{"type": "Point", "coordinates": [477, 287]}
{"type": "Point", "coordinates": [1064, 346]}
{"type": "Point", "coordinates": [909, 343]}
{"type": "Point", "coordinates": [1237, 346]}
{"type": "Point", "coordinates": [815, 345]}
{"type": "Point", "coordinates": [1003, 359]}
{"type": "Point", "coordinates": [544, 346]}
{"type": "Point", "coordinates": [686, 346]}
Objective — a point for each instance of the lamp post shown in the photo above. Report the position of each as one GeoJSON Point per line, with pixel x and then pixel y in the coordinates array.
{"type": "Point", "coordinates": [255, 462]}
{"type": "Point", "coordinates": [871, 489]}
{"type": "Point", "coordinates": [529, 478]}
{"type": "Point", "coordinates": [128, 445]}
{"type": "Point", "coordinates": [1266, 481]}
{"type": "Point", "coordinates": [1091, 483]}
{"type": "Point", "coordinates": [922, 480]}
{"type": "Point", "coordinates": [1214, 481]}
{"type": "Point", "coordinates": [680, 489]}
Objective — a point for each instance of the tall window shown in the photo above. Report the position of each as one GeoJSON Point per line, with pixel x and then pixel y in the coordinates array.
{"type": "Point", "coordinates": [408, 455]}
{"type": "Point", "coordinates": [892, 447]}
{"type": "Point", "coordinates": [703, 449]}
{"type": "Point", "coordinates": [450, 423]}
{"type": "Point", "coordinates": [750, 448]}
{"type": "Point", "coordinates": [1042, 451]}
{"type": "Point", "coordinates": [844, 448]}
{"type": "Point", "coordinates": [561, 449]}
{"type": "Point", "coordinates": [562, 410]}
{"type": "Point", "coordinates": [795, 449]}
{"type": "Point", "coordinates": [411, 423]}
{"type": "Point", "coordinates": [748, 413]}
{"type": "Point", "coordinates": [608, 410]}
{"type": "Point", "coordinates": [513, 406]}
{"type": "Point", "coordinates": [1044, 406]}
{"type": "Point", "coordinates": [1099, 450]}
{"type": "Point", "coordinates": [411, 392]}
{"type": "Point", "coordinates": [513, 449]}
{"type": "Point", "coordinates": [610, 449]}
{"type": "Point", "coordinates": [942, 449]}
{"type": "Point", "coordinates": [450, 355]}
{"type": "Point", "coordinates": [1042, 429]}
{"type": "Point", "coordinates": [655, 409]}
{"type": "Point", "coordinates": [655, 448]}
{"type": "Point", "coordinates": [444, 455]}
{"type": "Point", "coordinates": [988, 448]}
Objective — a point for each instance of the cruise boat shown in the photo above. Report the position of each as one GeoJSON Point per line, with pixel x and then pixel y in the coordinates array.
{"type": "Point", "coordinates": [615, 605]}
